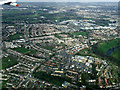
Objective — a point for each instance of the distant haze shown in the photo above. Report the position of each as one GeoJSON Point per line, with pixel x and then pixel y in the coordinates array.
{"type": "Point", "coordinates": [68, 0]}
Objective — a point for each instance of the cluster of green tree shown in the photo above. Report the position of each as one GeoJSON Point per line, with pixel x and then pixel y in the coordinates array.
{"type": "Point", "coordinates": [4, 84]}
{"type": "Point", "coordinates": [101, 22]}
{"type": "Point", "coordinates": [87, 76]}
{"type": "Point", "coordinates": [15, 15]}
{"type": "Point", "coordinates": [51, 79]}
{"type": "Point", "coordinates": [29, 15]}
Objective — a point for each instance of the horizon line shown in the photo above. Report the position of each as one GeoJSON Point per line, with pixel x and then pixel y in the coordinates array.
{"type": "Point", "coordinates": [69, 1]}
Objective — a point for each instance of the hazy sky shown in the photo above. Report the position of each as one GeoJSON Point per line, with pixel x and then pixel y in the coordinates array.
{"type": "Point", "coordinates": [67, 0]}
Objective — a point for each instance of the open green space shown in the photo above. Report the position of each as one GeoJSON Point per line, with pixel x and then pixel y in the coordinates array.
{"type": "Point", "coordinates": [48, 47]}
{"type": "Point", "coordinates": [102, 48]}
{"type": "Point", "coordinates": [106, 45]}
{"type": "Point", "coordinates": [21, 50]}
{"type": "Point", "coordinates": [16, 36]}
{"type": "Point", "coordinates": [8, 62]}
{"type": "Point", "coordinates": [24, 50]}
{"type": "Point", "coordinates": [79, 33]}
{"type": "Point", "coordinates": [116, 54]}
{"type": "Point", "coordinates": [32, 52]}
{"type": "Point", "coordinates": [86, 52]}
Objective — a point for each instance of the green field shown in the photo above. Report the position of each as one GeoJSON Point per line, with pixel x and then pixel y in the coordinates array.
{"type": "Point", "coordinates": [16, 36]}
{"type": "Point", "coordinates": [48, 47]}
{"type": "Point", "coordinates": [79, 33]}
{"type": "Point", "coordinates": [106, 45]}
{"type": "Point", "coordinates": [102, 48]}
{"type": "Point", "coordinates": [25, 50]}
{"type": "Point", "coordinates": [116, 55]}
{"type": "Point", "coordinates": [86, 52]}
{"type": "Point", "coordinates": [8, 62]}
{"type": "Point", "coordinates": [21, 50]}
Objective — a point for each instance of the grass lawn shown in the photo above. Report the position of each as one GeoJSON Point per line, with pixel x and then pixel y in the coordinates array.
{"type": "Point", "coordinates": [79, 33]}
{"type": "Point", "coordinates": [102, 48]}
{"type": "Point", "coordinates": [24, 50]}
{"type": "Point", "coordinates": [86, 52]}
{"type": "Point", "coordinates": [21, 50]}
{"type": "Point", "coordinates": [8, 62]}
{"type": "Point", "coordinates": [116, 54]}
{"type": "Point", "coordinates": [48, 47]}
{"type": "Point", "coordinates": [16, 36]}
{"type": "Point", "coordinates": [32, 52]}
{"type": "Point", "coordinates": [105, 46]}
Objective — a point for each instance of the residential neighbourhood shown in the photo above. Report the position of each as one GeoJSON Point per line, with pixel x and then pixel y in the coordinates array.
{"type": "Point", "coordinates": [60, 46]}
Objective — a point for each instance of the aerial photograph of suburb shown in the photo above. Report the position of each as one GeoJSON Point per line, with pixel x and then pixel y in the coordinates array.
{"type": "Point", "coordinates": [60, 44]}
